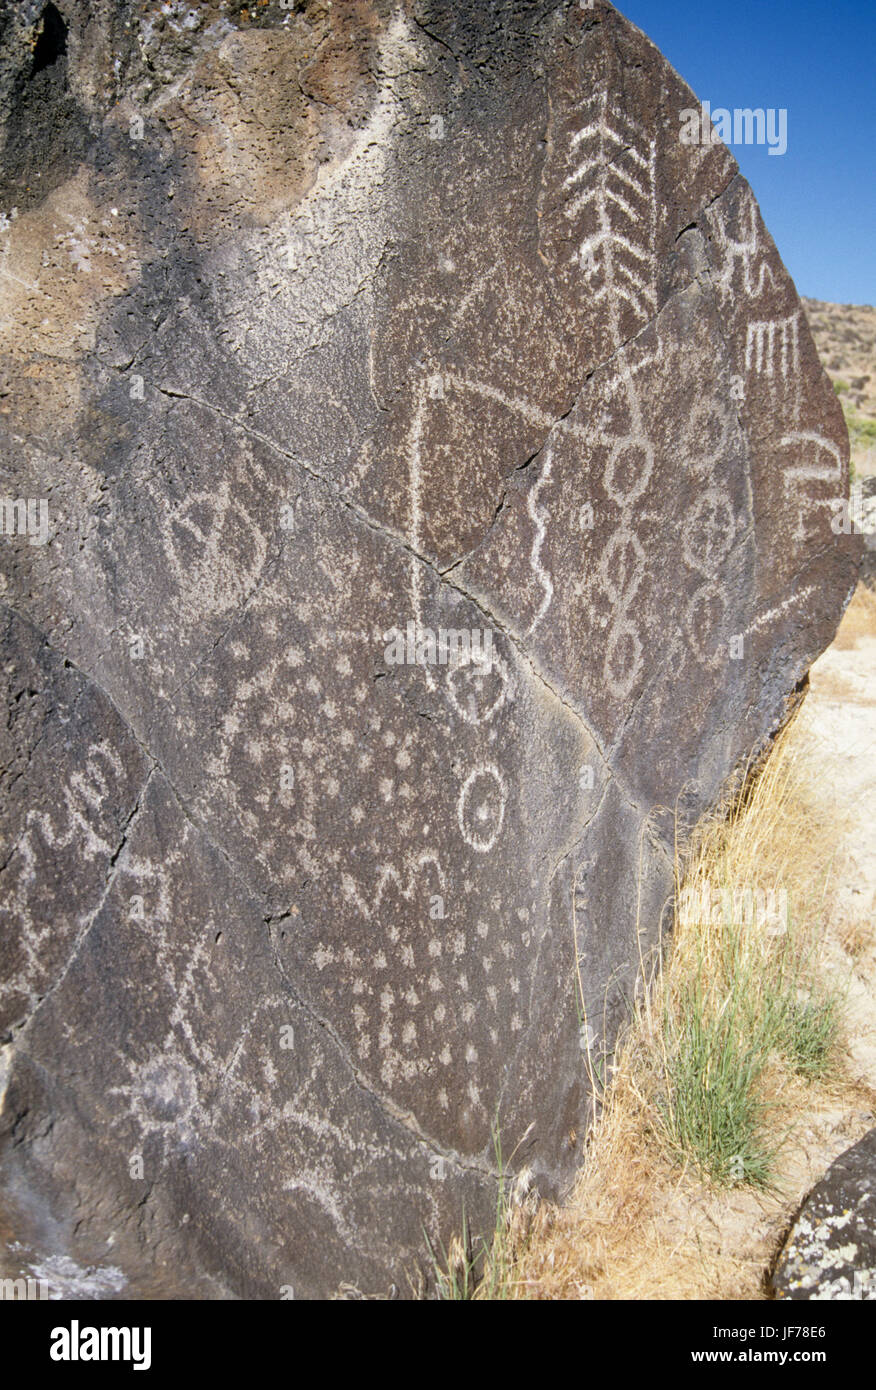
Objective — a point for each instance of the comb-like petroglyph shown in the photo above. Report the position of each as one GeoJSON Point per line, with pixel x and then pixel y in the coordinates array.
{"type": "Point", "coordinates": [437, 469]}
{"type": "Point", "coordinates": [773, 347]}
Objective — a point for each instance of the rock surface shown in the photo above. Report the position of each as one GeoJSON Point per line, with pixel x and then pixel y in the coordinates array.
{"type": "Point", "coordinates": [831, 1250]}
{"type": "Point", "coordinates": [320, 322]}
{"type": "Point", "coordinates": [867, 523]}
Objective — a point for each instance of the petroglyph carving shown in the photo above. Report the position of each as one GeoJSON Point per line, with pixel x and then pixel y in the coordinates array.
{"type": "Point", "coordinates": [612, 205]}
{"type": "Point", "coordinates": [744, 253]}
{"type": "Point", "coordinates": [773, 347]}
{"type": "Point", "coordinates": [481, 807]}
{"type": "Point", "coordinates": [539, 517]}
{"type": "Point", "coordinates": [292, 921]}
{"type": "Point", "coordinates": [477, 694]}
{"type": "Point", "coordinates": [824, 465]}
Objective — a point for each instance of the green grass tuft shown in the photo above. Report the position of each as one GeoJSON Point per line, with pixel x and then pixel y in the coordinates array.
{"type": "Point", "coordinates": [713, 1112]}
{"type": "Point", "coordinates": [747, 1010]}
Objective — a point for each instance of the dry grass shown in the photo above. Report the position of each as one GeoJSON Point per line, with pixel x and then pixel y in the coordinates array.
{"type": "Point", "coordinates": [698, 1158]}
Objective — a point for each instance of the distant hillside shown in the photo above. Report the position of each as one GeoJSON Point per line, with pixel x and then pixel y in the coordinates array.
{"type": "Point", "coordinates": [845, 335]}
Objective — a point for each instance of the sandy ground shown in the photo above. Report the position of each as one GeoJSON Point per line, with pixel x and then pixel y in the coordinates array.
{"type": "Point", "coordinates": [839, 720]}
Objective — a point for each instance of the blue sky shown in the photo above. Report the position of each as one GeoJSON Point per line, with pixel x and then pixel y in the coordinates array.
{"type": "Point", "coordinates": [819, 62]}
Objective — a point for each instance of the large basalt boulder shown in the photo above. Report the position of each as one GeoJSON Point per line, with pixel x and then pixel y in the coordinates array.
{"type": "Point", "coordinates": [321, 322]}
{"type": "Point", "coordinates": [830, 1252]}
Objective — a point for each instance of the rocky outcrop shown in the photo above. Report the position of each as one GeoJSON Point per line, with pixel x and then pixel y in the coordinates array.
{"type": "Point", "coordinates": [338, 340]}
{"type": "Point", "coordinates": [830, 1253]}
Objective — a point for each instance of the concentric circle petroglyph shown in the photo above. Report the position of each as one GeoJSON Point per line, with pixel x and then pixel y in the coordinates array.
{"type": "Point", "coordinates": [481, 807]}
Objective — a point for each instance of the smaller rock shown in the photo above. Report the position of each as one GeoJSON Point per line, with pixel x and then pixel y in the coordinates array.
{"type": "Point", "coordinates": [831, 1250]}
